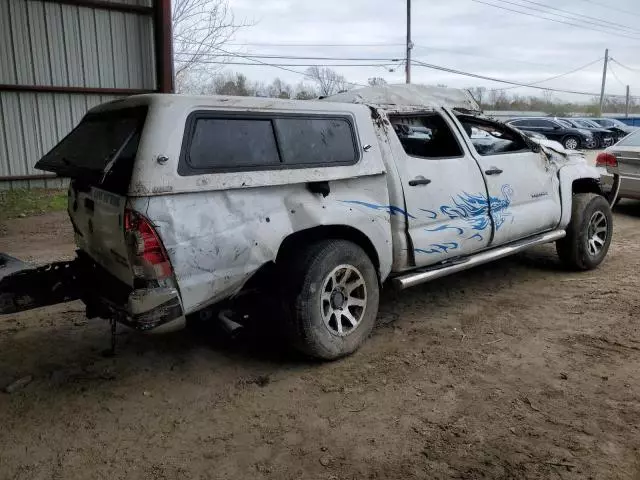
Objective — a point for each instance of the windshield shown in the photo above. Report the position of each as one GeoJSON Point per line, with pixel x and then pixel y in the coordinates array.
{"type": "Point", "coordinates": [618, 123]}
{"type": "Point", "coordinates": [100, 150]}
{"type": "Point", "coordinates": [585, 124]}
{"type": "Point", "coordinates": [564, 123]}
{"type": "Point", "coordinates": [632, 140]}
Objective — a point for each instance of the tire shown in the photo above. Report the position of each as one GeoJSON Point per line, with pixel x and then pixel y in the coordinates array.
{"type": "Point", "coordinates": [590, 213]}
{"type": "Point", "coordinates": [316, 298]}
{"type": "Point", "coordinates": [571, 143]}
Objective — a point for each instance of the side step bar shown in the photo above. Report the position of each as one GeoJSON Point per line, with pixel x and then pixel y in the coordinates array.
{"type": "Point", "coordinates": [426, 275]}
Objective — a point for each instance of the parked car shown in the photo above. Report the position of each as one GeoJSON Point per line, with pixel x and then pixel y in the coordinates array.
{"type": "Point", "coordinates": [622, 161]}
{"type": "Point", "coordinates": [619, 129]}
{"type": "Point", "coordinates": [602, 138]}
{"type": "Point", "coordinates": [534, 135]}
{"type": "Point", "coordinates": [571, 138]}
{"type": "Point", "coordinates": [186, 206]}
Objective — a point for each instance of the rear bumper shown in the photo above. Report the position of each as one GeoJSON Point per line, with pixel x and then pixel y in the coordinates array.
{"type": "Point", "coordinates": [153, 310]}
{"type": "Point", "coordinates": [158, 309]}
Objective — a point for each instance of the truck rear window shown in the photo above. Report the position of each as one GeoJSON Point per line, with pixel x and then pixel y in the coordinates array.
{"type": "Point", "coordinates": [100, 150]}
{"type": "Point", "coordinates": [218, 142]}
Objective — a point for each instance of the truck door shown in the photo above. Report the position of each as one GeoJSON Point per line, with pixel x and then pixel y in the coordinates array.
{"type": "Point", "coordinates": [524, 190]}
{"type": "Point", "coordinates": [444, 191]}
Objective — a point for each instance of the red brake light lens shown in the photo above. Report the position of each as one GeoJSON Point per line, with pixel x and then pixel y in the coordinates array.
{"type": "Point", "coordinates": [605, 159]}
{"type": "Point", "coordinates": [146, 253]}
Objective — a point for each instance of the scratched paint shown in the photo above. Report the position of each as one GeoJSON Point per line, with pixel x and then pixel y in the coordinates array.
{"type": "Point", "coordinates": [390, 209]}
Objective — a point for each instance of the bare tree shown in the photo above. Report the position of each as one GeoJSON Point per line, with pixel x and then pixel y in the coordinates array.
{"type": "Point", "coordinates": [279, 89]}
{"type": "Point", "coordinates": [200, 29]}
{"type": "Point", "coordinates": [305, 92]}
{"type": "Point", "coordinates": [329, 81]}
{"type": "Point", "coordinates": [233, 84]}
{"type": "Point", "coordinates": [377, 82]}
{"type": "Point", "coordinates": [478, 93]}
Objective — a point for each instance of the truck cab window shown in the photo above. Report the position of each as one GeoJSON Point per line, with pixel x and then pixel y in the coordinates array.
{"type": "Point", "coordinates": [489, 138]}
{"type": "Point", "coordinates": [426, 136]}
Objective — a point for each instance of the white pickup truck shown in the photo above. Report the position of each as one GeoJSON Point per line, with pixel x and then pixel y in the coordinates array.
{"type": "Point", "coordinates": [183, 205]}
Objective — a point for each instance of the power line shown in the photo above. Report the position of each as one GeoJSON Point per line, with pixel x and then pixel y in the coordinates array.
{"type": "Point", "coordinates": [616, 76]}
{"type": "Point", "coordinates": [552, 19]}
{"type": "Point", "coordinates": [624, 66]}
{"type": "Point", "coordinates": [275, 66]}
{"type": "Point", "coordinates": [292, 57]}
{"type": "Point", "coordinates": [614, 24]}
{"type": "Point", "coordinates": [498, 80]}
{"type": "Point", "coordinates": [478, 55]}
{"type": "Point", "coordinates": [220, 62]}
{"type": "Point", "coordinates": [609, 7]}
{"type": "Point", "coordinates": [555, 76]}
{"type": "Point", "coordinates": [394, 59]}
{"type": "Point", "coordinates": [293, 45]}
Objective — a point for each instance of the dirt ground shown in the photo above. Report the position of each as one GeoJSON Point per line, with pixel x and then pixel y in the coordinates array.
{"type": "Point", "coordinates": [514, 370]}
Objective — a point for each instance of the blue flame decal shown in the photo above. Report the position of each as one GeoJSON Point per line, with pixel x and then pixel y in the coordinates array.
{"type": "Point", "coordinates": [391, 209]}
{"type": "Point", "coordinates": [438, 248]}
{"type": "Point", "coordinates": [477, 211]}
{"type": "Point", "coordinates": [430, 213]}
{"type": "Point", "coordinates": [446, 227]}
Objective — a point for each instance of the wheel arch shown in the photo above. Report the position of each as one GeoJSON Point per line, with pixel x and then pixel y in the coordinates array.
{"type": "Point", "coordinates": [586, 185]}
{"type": "Point", "coordinates": [576, 178]}
{"type": "Point", "coordinates": [293, 242]}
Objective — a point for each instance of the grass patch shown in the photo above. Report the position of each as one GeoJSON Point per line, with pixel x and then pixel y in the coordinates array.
{"type": "Point", "coordinates": [24, 203]}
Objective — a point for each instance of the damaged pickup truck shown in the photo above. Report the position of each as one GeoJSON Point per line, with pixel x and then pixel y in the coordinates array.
{"type": "Point", "coordinates": [181, 205]}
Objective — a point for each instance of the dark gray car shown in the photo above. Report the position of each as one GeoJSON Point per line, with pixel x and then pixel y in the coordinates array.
{"type": "Point", "coordinates": [602, 138]}
{"type": "Point", "coordinates": [571, 138]}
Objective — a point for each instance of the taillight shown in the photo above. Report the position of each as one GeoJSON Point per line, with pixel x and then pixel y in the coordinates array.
{"type": "Point", "coordinates": [148, 257]}
{"type": "Point", "coordinates": [605, 159]}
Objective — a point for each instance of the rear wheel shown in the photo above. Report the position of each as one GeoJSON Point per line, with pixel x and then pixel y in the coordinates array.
{"type": "Point", "coordinates": [571, 143]}
{"type": "Point", "coordinates": [588, 234]}
{"type": "Point", "coordinates": [331, 298]}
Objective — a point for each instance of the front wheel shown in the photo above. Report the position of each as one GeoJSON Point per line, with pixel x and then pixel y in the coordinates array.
{"type": "Point", "coordinates": [571, 143]}
{"type": "Point", "coordinates": [331, 298]}
{"type": "Point", "coordinates": [588, 234]}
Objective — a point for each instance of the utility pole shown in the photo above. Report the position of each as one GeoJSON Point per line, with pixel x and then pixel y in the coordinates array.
{"type": "Point", "coordinates": [627, 104]}
{"type": "Point", "coordinates": [409, 43]}
{"type": "Point", "coordinates": [604, 78]}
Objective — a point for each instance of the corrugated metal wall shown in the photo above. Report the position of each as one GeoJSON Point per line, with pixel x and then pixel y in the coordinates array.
{"type": "Point", "coordinates": [49, 44]}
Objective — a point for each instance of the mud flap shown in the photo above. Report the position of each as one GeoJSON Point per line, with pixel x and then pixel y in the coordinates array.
{"type": "Point", "coordinates": [24, 289]}
{"type": "Point", "coordinates": [612, 195]}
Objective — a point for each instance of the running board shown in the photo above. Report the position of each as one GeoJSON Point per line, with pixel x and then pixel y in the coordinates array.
{"type": "Point", "coordinates": [422, 276]}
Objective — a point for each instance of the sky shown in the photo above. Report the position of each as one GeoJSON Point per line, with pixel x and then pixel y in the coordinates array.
{"type": "Point", "coordinates": [460, 34]}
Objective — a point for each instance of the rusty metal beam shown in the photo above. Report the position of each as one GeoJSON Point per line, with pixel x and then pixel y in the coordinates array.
{"type": "Point", "coordinates": [9, 178]}
{"type": "Point", "coordinates": [63, 89]}
{"type": "Point", "coordinates": [117, 7]}
{"type": "Point", "coordinates": [163, 46]}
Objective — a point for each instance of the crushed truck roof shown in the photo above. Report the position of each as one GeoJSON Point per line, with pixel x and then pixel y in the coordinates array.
{"type": "Point", "coordinates": [408, 95]}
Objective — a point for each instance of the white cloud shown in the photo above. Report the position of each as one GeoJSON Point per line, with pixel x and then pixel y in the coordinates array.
{"type": "Point", "coordinates": [459, 34]}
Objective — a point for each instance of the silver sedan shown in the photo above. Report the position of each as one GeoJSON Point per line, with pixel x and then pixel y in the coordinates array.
{"type": "Point", "coordinates": [620, 167]}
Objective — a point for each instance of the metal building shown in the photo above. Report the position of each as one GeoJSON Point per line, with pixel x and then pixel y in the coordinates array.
{"type": "Point", "coordinates": [58, 58]}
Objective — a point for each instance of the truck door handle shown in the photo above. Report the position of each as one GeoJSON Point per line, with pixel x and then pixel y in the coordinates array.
{"type": "Point", "coordinates": [493, 171]}
{"type": "Point", "coordinates": [419, 181]}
